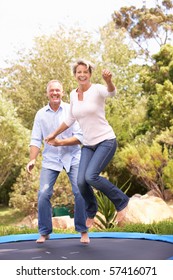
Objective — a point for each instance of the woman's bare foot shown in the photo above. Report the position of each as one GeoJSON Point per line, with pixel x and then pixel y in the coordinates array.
{"type": "Point", "coordinates": [120, 216]}
{"type": "Point", "coordinates": [42, 238]}
{"type": "Point", "coordinates": [89, 222]}
{"type": "Point", "coordinates": [84, 238]}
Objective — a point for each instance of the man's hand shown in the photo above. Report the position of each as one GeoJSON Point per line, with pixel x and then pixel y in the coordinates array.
{"type": "Point", "coordinates": [30, 166]}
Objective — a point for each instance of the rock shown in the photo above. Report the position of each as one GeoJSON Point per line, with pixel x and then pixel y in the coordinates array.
{"type": "Point", "coordinates": [58, 222]}
{"type": "Point", "coordinates": [28, 221]}
{"type": "Point", "coordinates": [144, 209]}
{"type": "Point", "coordinates": [147, 209]}
{"type": "Point", "coordinates": [63, 222]}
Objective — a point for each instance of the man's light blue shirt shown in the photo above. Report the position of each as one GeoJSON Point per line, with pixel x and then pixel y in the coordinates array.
{"type": "Point", "coordinates": [45, 122]}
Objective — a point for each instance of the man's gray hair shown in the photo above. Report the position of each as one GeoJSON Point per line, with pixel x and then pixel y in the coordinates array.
{"type": "Point", "coordinates": [51, 82]}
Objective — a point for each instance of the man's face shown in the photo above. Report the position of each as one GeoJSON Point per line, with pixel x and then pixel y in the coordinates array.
{"type": "Point", "coordinates": [55, 93]}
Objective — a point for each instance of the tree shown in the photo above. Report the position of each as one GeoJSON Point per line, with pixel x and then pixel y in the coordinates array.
{"type": "Point", "coordinates": [13, 147]}
{"type": "Point", "coordinates": [51, 57]}
{"type": "Point", "coordinates": [146, 163]}
{"type": "Point", "coordinates": [144, 25]}
{"type": "Point", "coordinates": [23, 195]}
{"type": "Point", "coordinates": [158, 86]}
{"type": "Point", "coordinates": [25, 82]}
{"type": "Point", "coordinates": [127, 109]}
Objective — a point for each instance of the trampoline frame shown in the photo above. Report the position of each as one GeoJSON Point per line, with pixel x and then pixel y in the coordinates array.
{"type": "Point", "coordinates": [115, 235]}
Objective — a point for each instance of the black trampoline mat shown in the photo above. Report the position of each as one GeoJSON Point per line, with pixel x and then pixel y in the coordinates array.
{"type": "Point", "coordinates": [98, 249]}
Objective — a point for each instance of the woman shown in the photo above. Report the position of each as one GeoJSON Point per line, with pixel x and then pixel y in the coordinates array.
{"type": "Point", "coordinates": [87, 106]}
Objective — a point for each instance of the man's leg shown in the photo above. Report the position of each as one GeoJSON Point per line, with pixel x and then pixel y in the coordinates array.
{"type": "Point", "coordinates": [47, 180]}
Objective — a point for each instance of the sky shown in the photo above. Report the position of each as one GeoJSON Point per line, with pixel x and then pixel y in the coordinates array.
{"type": "Point", "coordinates": [23, 20]}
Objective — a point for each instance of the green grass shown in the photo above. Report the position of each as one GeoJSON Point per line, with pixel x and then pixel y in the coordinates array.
{"type": "Point", "coordinates": [10, 217]}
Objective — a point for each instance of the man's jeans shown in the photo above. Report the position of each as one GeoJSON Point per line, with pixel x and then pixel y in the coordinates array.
{"type": "Point", "coordinates": [93, 161]}
{"type": "Point", "coordinates": [47, 180]}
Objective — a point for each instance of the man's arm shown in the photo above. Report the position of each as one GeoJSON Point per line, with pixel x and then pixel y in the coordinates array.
{"type": "Point", "coordinates": [34, 151]}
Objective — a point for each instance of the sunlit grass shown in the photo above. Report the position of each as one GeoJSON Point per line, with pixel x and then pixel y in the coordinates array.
{"type": "Point", "coordinates": [9, 216]}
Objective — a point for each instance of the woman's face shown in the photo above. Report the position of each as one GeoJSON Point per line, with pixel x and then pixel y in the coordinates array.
{"type": "Point", "coordinates": [82, 75]}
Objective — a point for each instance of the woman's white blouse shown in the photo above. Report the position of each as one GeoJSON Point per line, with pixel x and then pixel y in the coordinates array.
{"type": "Point", "coordinates": [90, 113]}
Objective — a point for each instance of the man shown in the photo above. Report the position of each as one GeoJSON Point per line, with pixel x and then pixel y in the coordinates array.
{"type": "Point", "coordinates": [65, 155]}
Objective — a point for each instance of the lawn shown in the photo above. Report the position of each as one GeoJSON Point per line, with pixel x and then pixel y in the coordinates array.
{"type": "Point", "coordinates": [9, 216]}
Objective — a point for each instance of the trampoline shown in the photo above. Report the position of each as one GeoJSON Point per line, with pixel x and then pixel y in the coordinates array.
{"type": "Point", "coordinates": [103, 246]}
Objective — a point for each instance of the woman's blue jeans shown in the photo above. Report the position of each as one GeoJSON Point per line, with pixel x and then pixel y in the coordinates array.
{"type": "Point", "coordinates": [47, 180]}
{"type": "Point", "coordinates": [93, 161]}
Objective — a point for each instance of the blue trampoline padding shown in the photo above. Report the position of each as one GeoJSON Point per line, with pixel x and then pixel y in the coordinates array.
{"type": "Point", "coordinates": [127, 235]}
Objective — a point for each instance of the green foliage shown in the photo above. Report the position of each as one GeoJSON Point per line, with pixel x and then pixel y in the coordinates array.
{"type": "Point", "coordinates": [125, 115]}
{"type": "Point", "coordinates": [160, 106]}
{"type": "Point", "coordinates": [127, 109]}
{"type": "Point", "coordinates": [165, 138]}
{"type": "Point", "coordinates": [157, 85]}
{"type": "Point", "coordinates": [106, 210]}
{"type": "Point", "coordinates": [10, 217]}
{"type": "Point", "coordinates": [13, 146]}
{"type": "Point", "coordinates": [167, 175]}
{"type": "Point", "coordinates": [10, 230]}
{"type": "Point", "coordinates": [163, 227]}
{"type": "Point", "coordinates": [24, 83]}
{"type": "Point", "coordinates": [146, 163]}
{"type": "Point", "coordinates": [25, 191]}
{"type": "Point", "coordinates": [140, 111]}
{"type": "Point", "coordinates": [51, 57]}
